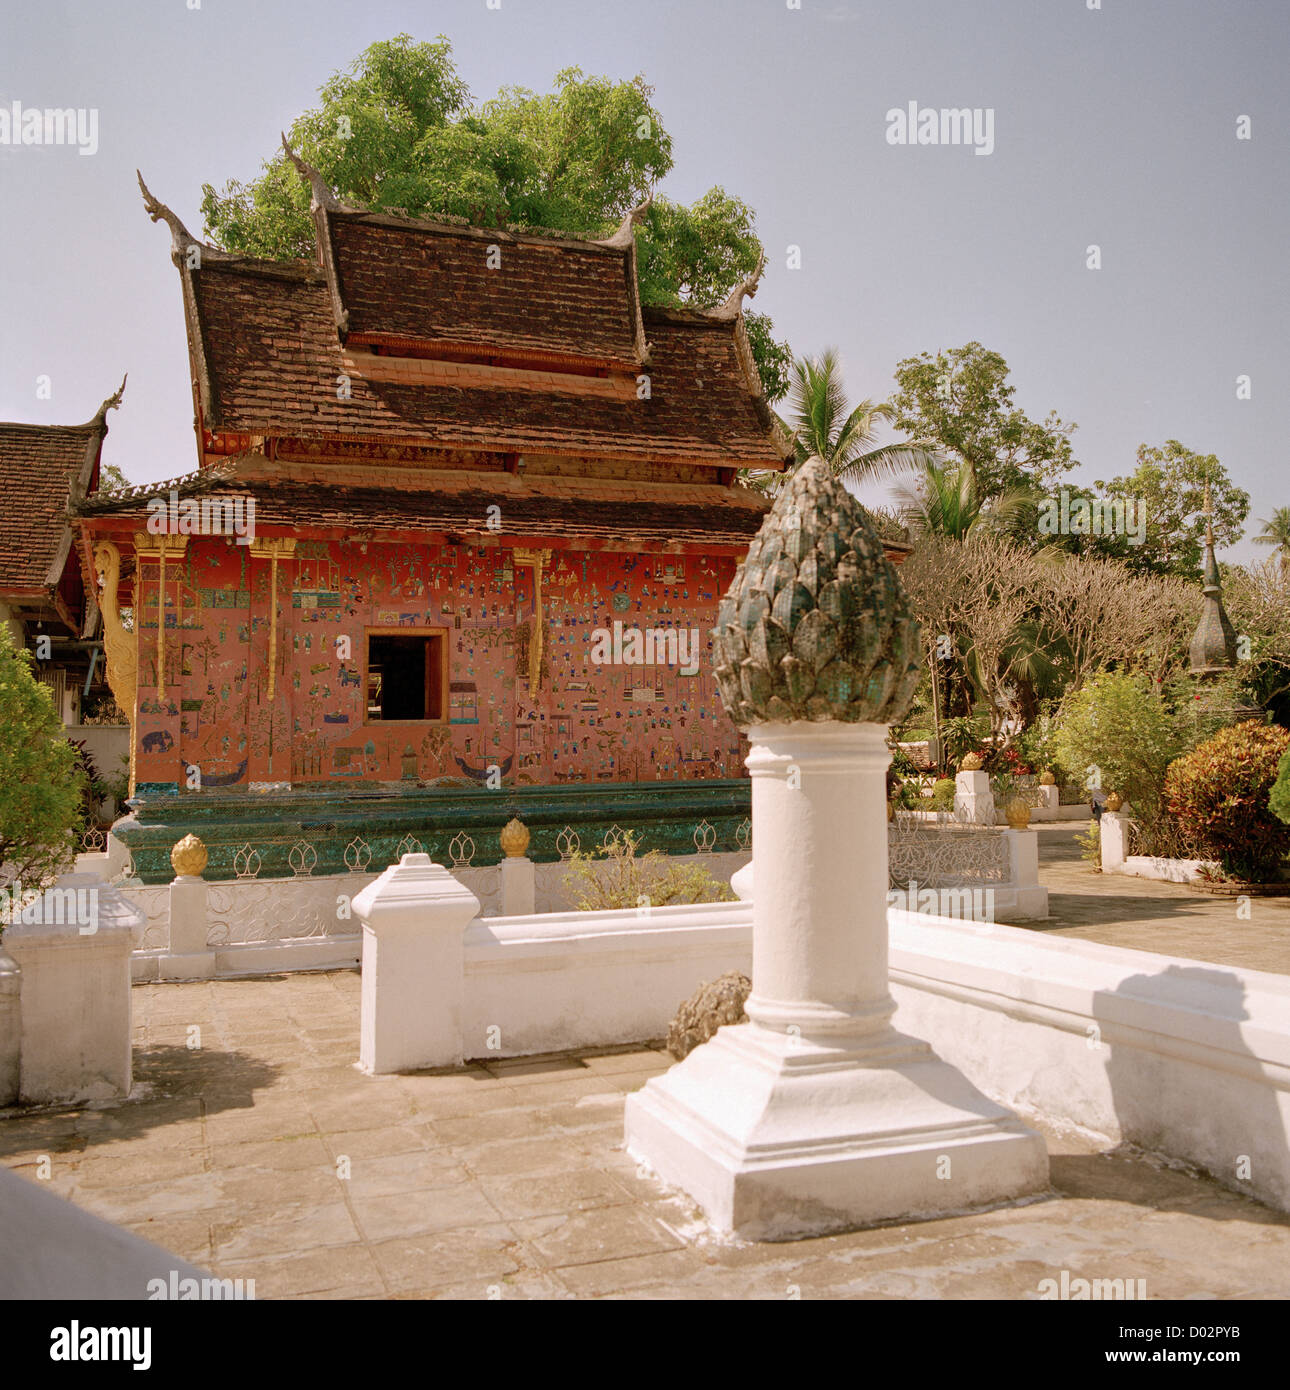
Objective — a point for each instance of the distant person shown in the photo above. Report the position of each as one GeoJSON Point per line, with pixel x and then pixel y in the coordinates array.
{"type": "Point", "coordinates": [1097, 803]}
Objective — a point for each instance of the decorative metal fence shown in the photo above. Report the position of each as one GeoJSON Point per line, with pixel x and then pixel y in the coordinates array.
{"type": "Point", "coordinates": [948, 857]}
{"type": "Point", "coordinates": [1166, 838]}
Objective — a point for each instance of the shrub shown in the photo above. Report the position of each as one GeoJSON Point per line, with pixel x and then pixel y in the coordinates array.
{"type": "Point", "coordinates": [1220, 793]}
{"type": "Point", "coordinates": [1117, 729]}
{"type": "Point", "coordinates": [614, 877]}
{"type": "Point", "coordinates": [943, 794]}
{"type": "Point", "coordinates": [40, 786]}
{"type": "Point", "coordinates": [1034, 745]}
{"type": "Point", "coordinates": [1091, 845]}
{"type": "Point", "coordinates": [959, 737]}
{"type": "Point", "coordinates": [1279, 801]}
{"type": "Point", "coordinates": [902, 765]}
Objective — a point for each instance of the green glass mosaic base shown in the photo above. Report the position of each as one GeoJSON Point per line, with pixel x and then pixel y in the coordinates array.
{"type": "Point", "coordinates": [363, 830]}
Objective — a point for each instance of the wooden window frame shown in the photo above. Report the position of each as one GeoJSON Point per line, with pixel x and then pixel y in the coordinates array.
{"type": "Point", "coordinates": [442, 634]}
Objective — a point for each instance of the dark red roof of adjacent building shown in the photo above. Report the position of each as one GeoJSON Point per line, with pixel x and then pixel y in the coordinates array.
{"type": "Point", "coordinates": [38, 464]}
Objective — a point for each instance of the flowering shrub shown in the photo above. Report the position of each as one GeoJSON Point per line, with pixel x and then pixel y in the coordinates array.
{"type": "Point", "coordinates": [1220, 793]}
{"type": "Point", "coordinates": [1011, 761]}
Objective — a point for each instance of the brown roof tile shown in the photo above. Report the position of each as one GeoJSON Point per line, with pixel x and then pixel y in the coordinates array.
{"type": "Point", "coordinates": [291, 496]}
{"type": "Point", "coordinates": [37, 466]}
{"type": "Point", "coordinates": [432, 284]}
{"type": "Point", "coordinates": [272, 361]}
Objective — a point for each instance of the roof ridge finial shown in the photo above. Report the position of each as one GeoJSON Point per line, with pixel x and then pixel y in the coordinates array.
{"type": "Point", "coordinates": [624, 236]}
{"type": "Point", "coordinates": [112, 402]}
{"type": "Point", "coordinates": [733, 306]}
{"type": "Point", "coordinates": [322, 194]}
{"type": "Point", "coordinates": [181, 238]}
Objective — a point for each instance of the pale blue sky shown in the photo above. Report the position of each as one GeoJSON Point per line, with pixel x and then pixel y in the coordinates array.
{"type": "Point", "coordinates": [1115, 127]}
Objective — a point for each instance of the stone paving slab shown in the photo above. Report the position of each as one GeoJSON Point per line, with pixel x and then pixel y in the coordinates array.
{"type": "Point", "coordinates": [1141, 914]}
{"type": "Point", "coordinates": [506, 1180]}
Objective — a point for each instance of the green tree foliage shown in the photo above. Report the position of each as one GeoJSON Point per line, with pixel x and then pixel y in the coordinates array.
{"type": "Point", "coordinates": [112, 479]}
{"type": "Point", "coordinates": [399, 130]}
{"type": "Point", "coordinates": [1116, 732]}
{"type": "Point", "coordinates": [1220, 792]}
{"type": "Point", "coordinates": [961, 402]}
{"type": "Point", "coordinates": [40, 788]}
{"type": "Point", "coordinates": [1171, 481]}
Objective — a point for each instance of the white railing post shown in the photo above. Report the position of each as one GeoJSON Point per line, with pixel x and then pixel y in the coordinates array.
{"type": "Point", "coordinates": [1112, 832]}
{"type": "Point", "coordinates": [414, 922]}
{"type": "Point", "coordinates": [973, 799]}
{"type": "Point", "coordinates": [189, 957]}
{"type": "Point", "coordinates": [1023, 874]}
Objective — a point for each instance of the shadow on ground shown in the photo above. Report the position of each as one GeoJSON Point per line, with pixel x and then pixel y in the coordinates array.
{"type": "Point", "coordinates": [170, 1083]}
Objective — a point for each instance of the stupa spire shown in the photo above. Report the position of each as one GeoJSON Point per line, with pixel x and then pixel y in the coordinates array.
{"type": "Point", "coordinates": [1213, 647]}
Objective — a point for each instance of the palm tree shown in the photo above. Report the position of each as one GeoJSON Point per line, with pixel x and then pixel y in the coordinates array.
{"type": "Point", "coordinates": [945, 502]}
{"type": "Point", "coordinates": [821, 425]}
{"type": "Point", "coordinates": [1277, 532]}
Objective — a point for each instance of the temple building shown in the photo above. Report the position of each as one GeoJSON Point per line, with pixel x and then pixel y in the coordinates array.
{"type": "Point", "coordinates": [44, 598]}
{"type": "Point", "coordinates": [462, 514]}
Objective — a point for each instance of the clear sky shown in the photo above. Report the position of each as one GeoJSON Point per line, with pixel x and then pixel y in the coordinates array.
{"type": "Point", "coordinates": [1114, 126]}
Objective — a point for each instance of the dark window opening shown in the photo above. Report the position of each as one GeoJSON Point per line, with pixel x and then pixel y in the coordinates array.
{"type": "Point", "coordinates": [404, 677]}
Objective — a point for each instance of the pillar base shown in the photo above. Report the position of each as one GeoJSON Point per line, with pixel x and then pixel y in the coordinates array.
{"type": "Point", "coordinates": [778, 1137]}
{"type": "Point", "coordinates": [189, 965]}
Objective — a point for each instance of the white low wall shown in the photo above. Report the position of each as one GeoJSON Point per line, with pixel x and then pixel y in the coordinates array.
{"type": "Point", "coordinates": [584, 979]}
{"type": "Point", "coordinates": [262, 926]}
{"type": "Point", "coordinates": [1164, 870]}
{"type": "Point", "coordinates": [1177, 1056]}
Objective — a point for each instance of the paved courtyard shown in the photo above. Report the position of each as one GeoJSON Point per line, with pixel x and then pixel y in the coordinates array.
{"type": "Point", "coordinates": [1144, 915]}
{"type": "Point", "coordinates": [506, 1180]}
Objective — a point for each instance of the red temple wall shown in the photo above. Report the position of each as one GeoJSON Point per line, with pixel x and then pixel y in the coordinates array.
{"type": "Point", "coordinates": [586, 722]}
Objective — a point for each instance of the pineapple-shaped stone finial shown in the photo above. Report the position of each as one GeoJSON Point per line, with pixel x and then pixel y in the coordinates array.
{"type": "Point", "coordinates": [815, 624]}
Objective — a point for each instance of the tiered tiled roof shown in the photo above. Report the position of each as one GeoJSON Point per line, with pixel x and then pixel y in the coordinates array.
{"type": "Point", "coordinates": [403, 334]}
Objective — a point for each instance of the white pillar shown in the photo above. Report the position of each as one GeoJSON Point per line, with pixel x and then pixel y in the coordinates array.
{"type": "Point", "coordinates": [519, 886]}
{"type": "Point", "coordinates": [188, 958]}
{"type": "Point", "coordinates": [973, 799]}
{"type": "Point", "coordinates": [1112, 835]}
{"type": "Point", "coordinates": [817, 1115]}
{"type": "Point", "coordinates": [820, 910]}
{"type": "Point", "coordinates": [74, 955]}
{"type": "Point", "coordinates": [414, 921]}
{"type": "Point", "coordinates": [1049, 800]}
{"type": "Point", "coordinates": [1023, 875]}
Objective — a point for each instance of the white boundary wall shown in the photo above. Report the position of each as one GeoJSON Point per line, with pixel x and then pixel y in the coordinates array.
{"type": "Point", "coordinates": [585, 979]}
{"type": "Point", "coordinates": [1177, 1056]}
